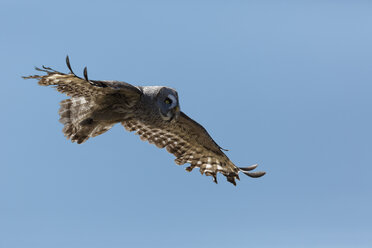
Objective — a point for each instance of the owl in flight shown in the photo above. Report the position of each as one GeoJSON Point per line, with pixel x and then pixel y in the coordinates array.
{"type": "Point", "coordinates": [153, 112]}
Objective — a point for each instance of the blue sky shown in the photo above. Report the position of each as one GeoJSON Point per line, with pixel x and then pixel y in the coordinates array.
{"type": "Point", "coordinates": [284, 84]}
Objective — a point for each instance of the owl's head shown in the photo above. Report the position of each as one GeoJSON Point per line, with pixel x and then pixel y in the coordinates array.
{"type": "Point", "coordinates": [167, 101]}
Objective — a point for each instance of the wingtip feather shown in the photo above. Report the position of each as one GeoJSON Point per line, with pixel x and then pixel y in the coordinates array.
{"type": "Point", "coordinates": [249, 168]}
{"type": "Point", "coordinates": [69, 65]}
{"type": "Point", "coordinates": [255, 174]}
{"type": "Point", "coordinates": [86, 73]}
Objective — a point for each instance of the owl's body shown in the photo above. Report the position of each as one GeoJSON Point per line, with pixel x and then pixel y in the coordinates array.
{"type": "Point", "coordinates": [152, 111]}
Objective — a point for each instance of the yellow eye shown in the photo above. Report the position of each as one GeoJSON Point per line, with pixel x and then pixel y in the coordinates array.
{"type": "Point", "coordinates": [168, 101]}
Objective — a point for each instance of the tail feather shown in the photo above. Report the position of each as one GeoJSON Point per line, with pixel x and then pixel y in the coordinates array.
{"type": "Point", "coordinates": [76, 116]}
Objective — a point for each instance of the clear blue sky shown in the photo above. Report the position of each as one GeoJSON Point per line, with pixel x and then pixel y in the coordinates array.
{"type": "Point", "coordinates": [287, 85]}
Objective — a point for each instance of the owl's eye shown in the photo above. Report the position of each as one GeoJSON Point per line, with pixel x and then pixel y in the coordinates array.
{"type": "Point", "coordinates": [168, 101]}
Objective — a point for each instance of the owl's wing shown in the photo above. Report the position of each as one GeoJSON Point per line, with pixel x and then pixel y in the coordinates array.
{"type": "Point", "coordinates": [75, 86]}
{"type": "Point", "coordinates": [78, 113]}
{"type": "Point", "coordinates": [191, 143]}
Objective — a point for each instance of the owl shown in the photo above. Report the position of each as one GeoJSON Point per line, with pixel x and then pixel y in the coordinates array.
{"type": "Point", "coordinates": [152, 112]}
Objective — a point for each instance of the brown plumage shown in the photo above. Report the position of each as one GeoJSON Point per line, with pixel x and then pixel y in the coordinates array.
{"type": "Point", "coordinates": [153, 112]}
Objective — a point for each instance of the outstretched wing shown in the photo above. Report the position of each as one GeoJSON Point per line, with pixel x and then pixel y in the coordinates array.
{"type": "Point", "coordinates": [191, 143]}
{"type": "Point", "coordinates": [89, 100]}
{"type": "Point", "coordinates": [75, 86]}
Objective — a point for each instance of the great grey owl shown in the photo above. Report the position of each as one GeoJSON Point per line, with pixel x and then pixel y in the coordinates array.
{"type": "Point", "coordinates": [153, 112]}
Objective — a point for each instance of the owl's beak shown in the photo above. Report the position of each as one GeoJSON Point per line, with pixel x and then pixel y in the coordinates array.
{"type": "Point", "coordinates": [177, 109]}
{"type": "Point", "coordinates": [175, 113]}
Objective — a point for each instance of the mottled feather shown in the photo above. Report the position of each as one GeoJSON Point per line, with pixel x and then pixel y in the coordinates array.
{"type": "Point", "coordinates": [95, 106]}
{"type": "Point", "coordinates": [190, 143]}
